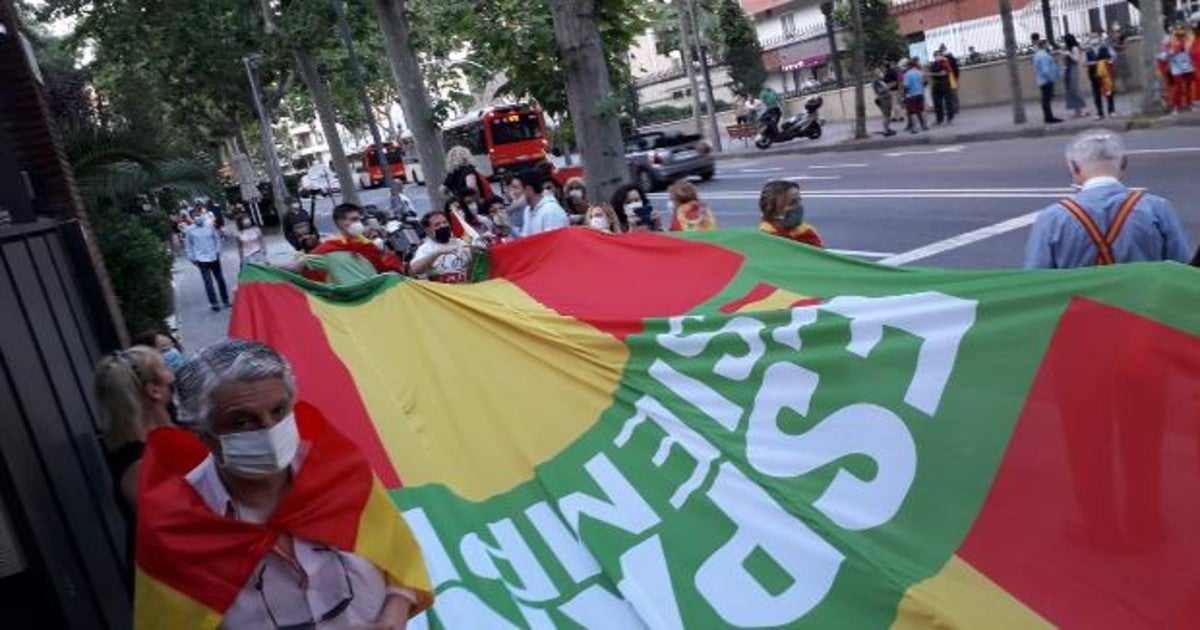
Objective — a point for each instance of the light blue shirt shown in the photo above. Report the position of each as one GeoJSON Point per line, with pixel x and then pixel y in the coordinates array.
{"type": "Point", "coordinates": [1044, 67]}
{"type": "Point", "coordinates": [202, 244]}
{"type": "Point", "coordinates": [546, 215]}
{"type": "Point", "coordinates": [914, 83]}
{"type": "Point", "coordinates": [1152, 231]}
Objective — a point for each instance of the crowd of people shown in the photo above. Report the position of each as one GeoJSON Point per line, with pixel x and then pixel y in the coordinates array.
{"type": "Point", "coordinates": [902, 87]}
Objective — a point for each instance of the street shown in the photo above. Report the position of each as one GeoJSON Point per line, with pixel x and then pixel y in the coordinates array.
{"type": "Point", "coordinates": [965, 206]}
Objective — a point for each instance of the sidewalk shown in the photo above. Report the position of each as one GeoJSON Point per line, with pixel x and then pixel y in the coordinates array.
{"type": "Point", "coordinates": [196, 325]}
{"type": "Point", "coordinates": [970, 125]}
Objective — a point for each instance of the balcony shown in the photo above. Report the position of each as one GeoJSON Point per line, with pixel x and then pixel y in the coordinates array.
{"type": "Point", "coordinates": [810, 31]}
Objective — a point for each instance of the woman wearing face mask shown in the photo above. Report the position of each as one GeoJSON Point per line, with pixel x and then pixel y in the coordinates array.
{"type": "Point", "coordinates": [441, 257]}
{"type": "Point", "coordinates": [166, 344]}
{"type": "Point", "coordinates": [576, 200]}
{"type": "Point", "coordinates": [254, 457]}
{"type": "Point", "coordinates": [252, 248]}
{"type": "Point", "coordinates": [634, 210]}
{"type": "Point", "coordinates": [502, 228]}
{"type": "Point", "coordinates": [783, 213]}
{"type": "Point", "coordinates": [132, 389]}
{"type": "Point", "coordinates": [689, 214]}
{"type": "Point", "coordinates": [602, 218]}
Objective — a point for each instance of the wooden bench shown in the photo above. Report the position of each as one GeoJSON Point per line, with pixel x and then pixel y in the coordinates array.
{"type": "Point", "coordinates": [743, 132]}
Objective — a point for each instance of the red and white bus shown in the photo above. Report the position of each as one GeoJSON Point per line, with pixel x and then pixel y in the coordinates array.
{"type": "Point", "coordinates": [371, 175]}
{"type": "Point", "coordinates": [503, 138]}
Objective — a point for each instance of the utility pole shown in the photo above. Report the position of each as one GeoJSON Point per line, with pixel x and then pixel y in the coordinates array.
{"type": "Point", "coordinates": [361, 87]}
{"type": "Point", "coordinates": [827, 11]}
{"type": "Point", "coordinates": [1152, 37]}
{"type": "Point", "coordinates": [1048, 22]}
{"type": "Point", "coordinates": [685, 55]}
{"type": "Point", "coordinates": [713, 129]}
{"type": "Point", "coordinates": [278, 189]}
{"type": "Point", "coordinates": [860, 62]}
{"type": "Point", "coordinates": [1010, 59]}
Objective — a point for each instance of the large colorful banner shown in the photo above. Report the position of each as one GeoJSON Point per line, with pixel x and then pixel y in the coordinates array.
{"type": "Point", "coordinates": [731, 430]}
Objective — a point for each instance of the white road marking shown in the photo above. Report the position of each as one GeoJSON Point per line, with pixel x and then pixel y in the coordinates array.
{"type": "Point", "coordinates": [796, 178]}
{"type": "Point", "coordinates": [761, 170]}
{"type": "Point", "coordinates": [767, 176]}
{"type": "Point", "coordinates": [833, 166]}
{"type": "Point", "coordinates": [862, 254]}
{"type": "Point", "coordinates": [1174, 150]}
{"type": "Point", "coordinates": [961, 240]}
{"type": "Point", "coordinates": [950, 149]}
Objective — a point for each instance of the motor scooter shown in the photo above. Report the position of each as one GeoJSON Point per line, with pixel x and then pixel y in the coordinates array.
{"type": "Point", "coordinates": [803, 125]}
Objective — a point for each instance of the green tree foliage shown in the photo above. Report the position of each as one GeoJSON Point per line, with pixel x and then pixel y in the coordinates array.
{"type": "Point", "coordinates": [880, 35]}
{"type": "Point", "coordinates": [743, 53]}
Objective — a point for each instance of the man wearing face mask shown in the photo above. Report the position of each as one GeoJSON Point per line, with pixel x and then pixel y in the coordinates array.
{"type": "Point", "coordinates": [540, 209]}
{"type": "Point", "coordinates": [783, 213]}
{"type": "Point", "coordinates": [442, 257]}
{"type": "Point", "coordinates": [202, 243]}
{"type": "Point", "coordinates": [256, 515]}
{"type": "Point", "coordinates": [348, 257]}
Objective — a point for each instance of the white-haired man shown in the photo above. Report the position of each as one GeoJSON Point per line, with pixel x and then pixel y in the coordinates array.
{"type": "Point", "coordinates": [260, 521]}
{"type": "Point", "coordinates": [1106, 222]}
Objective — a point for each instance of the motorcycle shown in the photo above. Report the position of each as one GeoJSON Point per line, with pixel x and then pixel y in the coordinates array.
{"type": "Point", "coordinates": [401, 231]}
{"type": "Point", "coordinates": [804, 125]}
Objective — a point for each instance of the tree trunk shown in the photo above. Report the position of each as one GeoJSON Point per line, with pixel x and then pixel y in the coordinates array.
{"type": "Point", "coordinates": [1010, 58]}
{"type": "Point", "coordinates": [685, 56]}
{"type": "Point", "coordinates": [860, 62]}
{"type": "Point", "coordinates": [414, 97]}
{"type": "Point", "coordinates": [714, 130]}
{"type": "Point", "coordinates": [324, 105]}
{"type": "Point", "coordinates": [1152, 37]}
{"type": "Point", "coordinates": [594, 109]}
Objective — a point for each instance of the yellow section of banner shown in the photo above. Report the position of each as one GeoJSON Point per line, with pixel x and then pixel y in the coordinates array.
{"type": "Point", "coordinates": [481, 354]}
{"type": "Point", "coordinates": [961, 597]}
{"type": "Point", "coordinates": [384, 539]}
{"type": "Point", "coordinates": [156, 605]}
{"type": "Point", "coordinates": [778, 299]}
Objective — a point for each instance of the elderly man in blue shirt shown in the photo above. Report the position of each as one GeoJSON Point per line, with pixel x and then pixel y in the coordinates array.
{"type": "Point", "coordinates": [202, 243]}
{"type": "Point", "coordinates": [1046, 71]}
{"type": "Point", "coordinates": [1106, 222]}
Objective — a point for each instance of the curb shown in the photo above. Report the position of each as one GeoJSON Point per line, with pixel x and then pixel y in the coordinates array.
{"type": "Point", "coordinates": [1026, 132]}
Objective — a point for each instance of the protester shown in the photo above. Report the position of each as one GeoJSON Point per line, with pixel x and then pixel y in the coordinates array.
{"type": "Point", "coordinates": [955, 75]}
{"type": "Point", "coordinates": [461, 175]}
{"type": "Point", "coordinates": [1099, 61]}
{"type": "Point", "coordinates": [398, 203]}
{"type": "Point", "coordinates": [348, 257]}
{"type": "Point", "coordinates": [689, 214]}
{"type": "Point", "coordinates": [883, 97]}
{"type": "Point", "coordinates": [602, 218]}
{"type": "Point", "coordinates": [252, 247]}
{"type": "Point", "coordinates": [466, 209]}
{"type": "Point", "coordinates": [166, 344]}
{"type": "Point", "coordinates": [502, 228]}
{"type": "Point", "coordinates": [939, 73]}
{"type": "Point", "coordinates": [551, 186]}
{"type": "Point", "coordinates": [202, 244]}
{"type": "Point", "coordinates": [133, 390]}
{"type": "Point", "coordinates": [295, 215]}
{"type": "Point", "coordinates": [634, 210]}
{"type": "Point", "coordinates": [1046, 74]}
{"type": "Point", "coordinates": [914, 96]}
{"type": "Point", "coordinates": [1073, 59]}
{"type": "Point", "coordinates": [262, 500]}
{"type": "Point", "coordinates": [441, 257]}
{"type": "Point", "coordinates": [1106, 222]}
{"type": "Point", "coordinates": [783, 213]}
{"type": "Point", "coordinates": [1179, 66]}
{"type": "Point", "coordinates": [575, 199]}
{"type": "Point", "coordinates": [307, 238]}
{"type": "Point", "coordinates": [540, 209]}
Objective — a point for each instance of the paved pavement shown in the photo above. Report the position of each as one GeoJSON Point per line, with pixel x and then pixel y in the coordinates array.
{"type": "Point", "coordinates": [961, 205]}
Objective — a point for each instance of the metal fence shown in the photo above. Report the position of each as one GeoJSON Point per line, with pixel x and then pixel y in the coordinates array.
{"type": "Point", "coordinates": [987, 36]}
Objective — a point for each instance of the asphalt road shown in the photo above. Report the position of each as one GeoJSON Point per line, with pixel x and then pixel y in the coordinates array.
{"type": "Point", "coordinates": [962, 206]}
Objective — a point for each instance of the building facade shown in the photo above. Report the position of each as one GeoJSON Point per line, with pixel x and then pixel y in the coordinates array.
{"type": "Point", "coordinates": [796, 48]}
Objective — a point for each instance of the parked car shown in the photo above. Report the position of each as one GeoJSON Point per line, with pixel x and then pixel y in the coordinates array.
{"type": "Point", "coordinates": [319, 180]}
{"type": "Point", "coordinates": [657, 158]}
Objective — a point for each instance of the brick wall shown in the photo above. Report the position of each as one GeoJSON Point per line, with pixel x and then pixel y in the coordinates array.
{"type": "Point", "coordinates": [921, 15]}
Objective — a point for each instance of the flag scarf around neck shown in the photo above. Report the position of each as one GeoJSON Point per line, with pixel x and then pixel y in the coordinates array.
{"type": "Point", "coordinates": [193, 562]}
{"type": "Point", "coordinates": [728, 429]}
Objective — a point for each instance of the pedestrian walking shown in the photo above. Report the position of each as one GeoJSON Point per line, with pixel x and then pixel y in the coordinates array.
{"type": "Point", "coordinates": [939, 75]}
{"type": "Point", "coordinates": [1072, 61]}
{"type": "Point", "coordinates": [914, 96]}
{"type": "Point", "coordinates": [202, 244]}
{"type": "Point", "coordinates": [1106, 222]}
{"type": "Point", "coordinates": [1099, 61]}
{"type": "Point", "coordinates": [1046, 72]}
{"type": "Point", "coordinates": [883, 97]}
{"type": "Point", "coordinates": [252, 247]}
{"type": "Point", "coordinates": [894, 77]}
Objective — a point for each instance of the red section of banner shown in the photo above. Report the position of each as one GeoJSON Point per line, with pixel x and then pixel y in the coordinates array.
{"type": "Point", "coordinates": [1091, 521]}
{"type": "Point", "coordinates": [321, 377]}
{"type": "Point", "coordinates": [760, 292]}
{"type": "Point", "coordinates": [615, 281]}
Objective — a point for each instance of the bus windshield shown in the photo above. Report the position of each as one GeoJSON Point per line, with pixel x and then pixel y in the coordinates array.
{"type": "Point", "coordinates": [395, 155]}
{"type": "Point", "coordinates": [516, 128]}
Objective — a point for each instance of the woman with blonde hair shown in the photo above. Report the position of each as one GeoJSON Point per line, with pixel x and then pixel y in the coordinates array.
{"type": "Point", "coordinates": [602, 218]}
{"type": "Point", "coordinates": [575, 199]}
{"type": "Point", "coordinates": [133, 389]}
{"type": "Point", "coordinates": [461, 175]}
{"type": "Point", "coordinates": [689, 214]}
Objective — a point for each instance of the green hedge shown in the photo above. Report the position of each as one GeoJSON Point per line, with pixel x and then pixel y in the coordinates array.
{"type": "Point", "coordinates": [139, 264]}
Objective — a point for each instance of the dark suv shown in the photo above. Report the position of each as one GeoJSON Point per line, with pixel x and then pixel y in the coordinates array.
{"type": "Point", "coordinates": [657, 158]}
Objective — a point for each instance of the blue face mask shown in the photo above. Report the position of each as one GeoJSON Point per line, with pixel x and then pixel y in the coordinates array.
{"type": "Point", "coordinates": [794, 216]}
{"type": "Point", "coordinates": [173, 358]}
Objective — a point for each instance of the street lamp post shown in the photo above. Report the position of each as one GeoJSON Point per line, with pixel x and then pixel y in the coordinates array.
{"type": "Point", "coordinates": [361, 87]}
{"type": "Point", "coordinates": [713, 130]}
{"type": "Point", "coordinates": [827, 11]}
{"type": "Point", "coordinates": [278, 189]}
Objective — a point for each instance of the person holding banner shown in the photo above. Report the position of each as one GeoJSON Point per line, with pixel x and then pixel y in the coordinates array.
{"type": "Point", "coordinates": [783, 213]}
{"type": "Point", "coordinates": [348, 257]}
{"type": "Point", "coordinates": [442, 257]}
{"type": "Point", "coordinates": [263, 515]}
{"type": "Point", "coordinates": [1106, 222]}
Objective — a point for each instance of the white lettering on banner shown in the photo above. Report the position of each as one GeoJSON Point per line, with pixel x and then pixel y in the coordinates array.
{"type": "Point", "coordinates": [437, 561]}
{"type": "Point", "coordinates": [941, 321]}
{"type": "Point", "coordinates": [729, 366]}
{"type": "Point", "coordinates": [790, 335]}
{"type": "Point", "coordinates": [677, 434]}
{"type": "Point", "coordinates": [576, 559]}
{"type": "Point", "coordinates": [762, 525]}
{"type": "Point", "coordinates": [646, 585]}
{"type": "Point", "coordinates": [711, 402]}
{"type": "Point", "coordinates": [625, 508]}
{"type": "Point", "coordinates": [456, 607]}
{"type": "Point", "coordinates": [597, 608]}
{"type": "Point", "coordinates": [535, 585]}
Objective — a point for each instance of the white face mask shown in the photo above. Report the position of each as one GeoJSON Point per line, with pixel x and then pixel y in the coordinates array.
{"type": "Point", "coordinates": [598, 222]}
{"type": "Point", "coordinates": [633, 206]}
{"type": "Point", "coordinates": [356, 229]}
{"type": "Point", "coordinates": [520, 203]}
{"type": "Point", "coordinates": [257, 454]}
{"type": "Point", "coordinates": [575, 194]}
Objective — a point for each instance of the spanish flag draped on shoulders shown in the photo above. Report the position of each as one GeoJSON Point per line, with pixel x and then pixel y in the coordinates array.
{"type": "Point", "coordinates": [803, 233]}
{"type": "Point", "coordinates": [343, 259]}
{"type": "Point", "coordinates": [194, 564]}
